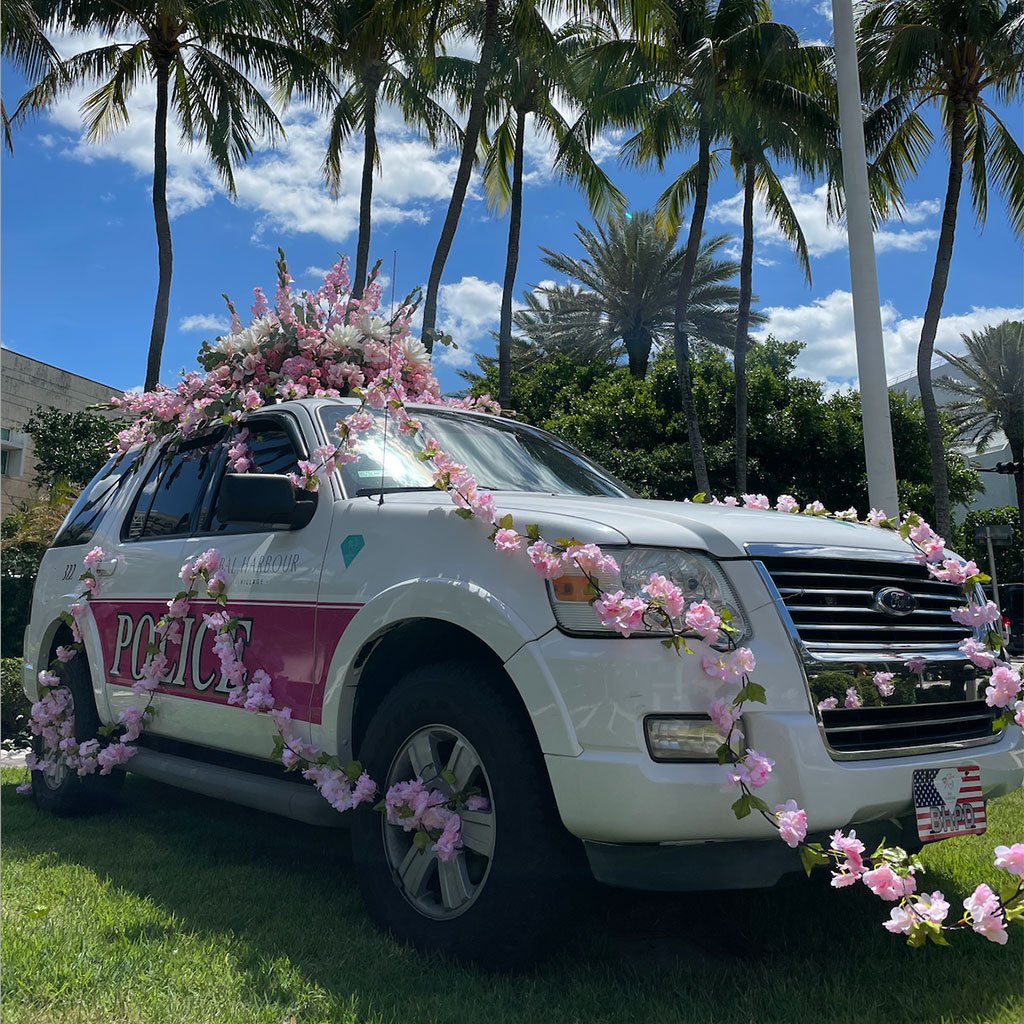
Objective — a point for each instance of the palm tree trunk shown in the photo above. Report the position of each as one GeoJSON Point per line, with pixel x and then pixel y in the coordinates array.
{"type": "Point", "coordinates": [638, 350]}
{"type": "Point", "coordinates": [163, 227]}
{"type": "Point", "coordinates": [926, 347]}
{"type": "Point", "coordinates": [515, 219]}
{"type": "Point", "coordinates": [1017, 454]}
{"type": "Point", "coordinates": [681, 340]}
{"type": "Point", "coordinates": [371, 84]}
{"type": "Point", "coordinates": [742, 325]}
{"type": "Point", "coordinates": [474, 122]}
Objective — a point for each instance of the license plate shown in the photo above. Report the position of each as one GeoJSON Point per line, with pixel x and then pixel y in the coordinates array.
{"type": "Point", "coordinates": [948, 802]}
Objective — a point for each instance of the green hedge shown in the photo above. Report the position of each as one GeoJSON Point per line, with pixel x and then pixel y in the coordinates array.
{"type": "Point", "coordinates": [15, 708]}
{"type": "Point", "coordinates": [1009, 560]}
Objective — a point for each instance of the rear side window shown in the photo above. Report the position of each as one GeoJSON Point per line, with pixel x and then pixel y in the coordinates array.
{"type": "Point", "coordinates": [167, 504]}
{"type": "Point", "coordinates": [272, 449]}
{"type": "Point", "coordinates": [81, 522]}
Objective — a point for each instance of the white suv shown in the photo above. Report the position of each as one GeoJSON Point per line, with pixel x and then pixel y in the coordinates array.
{"type": "Point", "coordinates": [397, 635]}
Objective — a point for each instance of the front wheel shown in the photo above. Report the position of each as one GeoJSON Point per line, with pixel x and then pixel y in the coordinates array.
{"type": "Point", "coordinates": [496, 901]}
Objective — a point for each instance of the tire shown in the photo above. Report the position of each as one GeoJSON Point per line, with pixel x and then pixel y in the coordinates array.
{"type": "Point", "coordinates": [65, 793]}
{"type": "Point", "coordinates": [500, 911]}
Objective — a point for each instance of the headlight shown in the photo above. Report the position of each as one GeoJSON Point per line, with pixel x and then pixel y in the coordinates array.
{"type": "Point", "coordinates": [697, 576]}
{"type": "Point", "coordinates": [688, 738]}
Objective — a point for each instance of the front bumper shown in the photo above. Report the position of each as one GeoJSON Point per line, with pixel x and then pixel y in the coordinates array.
{"type": "Point", "coordinates": [700, 867]}
{"type": "Point", "coordinates": [625, 797]}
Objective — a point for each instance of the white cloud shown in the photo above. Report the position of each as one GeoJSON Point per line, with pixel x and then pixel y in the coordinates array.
{"type": "Point", "coordinates": [824, 236]}
{"type": "Point", "coordinates": [203, 322]}
{"type": "Point", "coordinates": [826, 326]}
{"type": "Point", "coordinates": [467, 310]}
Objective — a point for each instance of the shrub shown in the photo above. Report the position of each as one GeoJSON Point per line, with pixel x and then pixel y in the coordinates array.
{"type": "Point", "coordinates": [1009, 560]}
{"type": "Point", "coordinates": [15, 708]}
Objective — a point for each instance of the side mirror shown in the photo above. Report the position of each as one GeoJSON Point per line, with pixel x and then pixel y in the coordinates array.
{"type": "Point", "coordinates": [264, 498]}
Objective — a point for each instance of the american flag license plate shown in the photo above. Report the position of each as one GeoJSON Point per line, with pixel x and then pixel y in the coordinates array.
{"type": "Point", "coordinates": [948, 802]}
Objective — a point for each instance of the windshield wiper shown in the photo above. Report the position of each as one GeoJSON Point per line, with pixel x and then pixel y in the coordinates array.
{"type": "Point", "coordinates": [366, 492]}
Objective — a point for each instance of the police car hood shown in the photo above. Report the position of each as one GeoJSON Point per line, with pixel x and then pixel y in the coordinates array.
{"type": "Point", "coordinates": [721, 530]}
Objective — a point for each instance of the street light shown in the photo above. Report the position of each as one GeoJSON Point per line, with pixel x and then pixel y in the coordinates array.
{"type": "Point", "coordinates": [867, 314]}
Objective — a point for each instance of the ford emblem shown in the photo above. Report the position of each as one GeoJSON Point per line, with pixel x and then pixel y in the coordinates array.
{"type": "Point", "coordinates": [894, 601]}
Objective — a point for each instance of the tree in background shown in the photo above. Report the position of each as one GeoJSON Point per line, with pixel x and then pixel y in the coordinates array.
{"type": "Point", "coordinates": [961, 55]}
{"type": "Point", "coordinates": [531, 77]}
{"type": "Point", "coordinates": [203, 59]}
{"type": "Point", "coordinates": [69, 447]}
{"type": "Point", "coordinates": [374, 51]}
{"type": "Point", "coordinates": [627, 280]}
{"type": "Point", "coordinates": [992, 397]}
{"type": "Point", "coordinates": [24, 43]}
{"type": "Point", "coordinates": [801, 442]}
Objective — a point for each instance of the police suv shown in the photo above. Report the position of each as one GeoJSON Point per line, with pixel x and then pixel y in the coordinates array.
{"type": "Point", "coordinates": [397, 635]}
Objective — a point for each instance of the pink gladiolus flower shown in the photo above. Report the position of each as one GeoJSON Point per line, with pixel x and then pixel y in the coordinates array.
{"type": "Point", "coordinates": [852, 867]}
{"type": "Point", "coordinates": [917, 665]}
{"type": "Point", "coordinates": [1004, 685]}
{"type": "Point", "coordinates": [703, 619]}
{"type": "Point", "coordinates": [792, 822]}
{"type": "Point", "coordinates": [258, 693]}
{"type": "Point", "coordinates": [978, 653]}
{"type": "Point", "coordinates": [93, 558]}
{"type": "Point", "coordinates": [828, 704]}
{"type": "Point", "coordinates": [24, 789]}
{"type": "Point", "coordinates": [759, 501]}
{"type": "Point", "coordinates": [507, 540]}
{"type": "Point", "coordinates": [848, 516]}
{"type": "Point", "coordinates": [47, 678]}
{"type": "Point", "coordinates": [625, 614]}
{"type": "Point", "coordinates": [976, 615]}
{"type": "Point", "coordinates": [753, 770]}
{"type": "Point", "coordinates": [724, 714]}
{"type": "Point", "coordinates": [591, 559]}
{"type": "Point", "coordinates": [364, 790]}
{"type": "Point", "coordinates": [1010, 858]}
{"type": "Point", "coordinates": [132, 719]}
{"type": "Point", "coordinates": [450, 840]}
{"type": "Point", "coordinates": [815, 508]}
{"type": "Point", "coordinates": [787, 503]}
{"type": "Point", "coordinates": [852, 698]}
{"type": "Point", "coordinates": [901, 919]}
{"type": "Point", "coordinates": [545, 559]}
{"type": "Point", "coordinates": [876, 517]}
{"type": "Point", "coordinates": [884, 684]}
{"type": "Point", "coordinates": [114, 754]}
{"type": "Point", "coordinates": [952, 570]}
{"type": "Point", "coordinates": [932, 906]}
{"type": "Point", "coordinates": [985, 914]}
{"type": "Point", "coordinates": [730, 501]}
{"type": "Point", "coordinates": [65, 654]}
{"type": "Point", "coordinates": [665, 593]}
{"type": "Point", "coordinates": [477, 803]}
{"type": "Point", "coordinates": [887, 885]}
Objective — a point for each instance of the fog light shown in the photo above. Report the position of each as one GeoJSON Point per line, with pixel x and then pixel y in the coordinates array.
{"type": "Point", "coordinates": [688, 738]}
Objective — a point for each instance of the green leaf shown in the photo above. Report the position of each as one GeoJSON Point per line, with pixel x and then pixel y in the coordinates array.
{"type": "Point", "coordinates": [725, 615]}
{"type": "Point", "coordinates": [742, 806]}
{"type": "Point", "coordinates": [756, 803]}
{"type": "Point", "coordinates": [353, 770]}
{"type": "Point", "coordinates": [464, 513]}
{"type": "Point", "coordinates": [1001, 722]}
{"type": "Point", "coordinates": [725, 754]}
{"type": "Point", "coordinates": [381, 806]}
{"type": "Point", "coordinates": [422, 840]}
{"type": "Point", "coordinates": [813, 856]}
{"type": "Point", "coordinates": [506, 521]}
{"type": "Point", "coordinates": [532, 531]}
{"type": "Point", "coordinates": [754, 692]}
{"type": "Point", "coordinates": [699, 498]}
{"type": "Point", "coordinates": [449, 776]}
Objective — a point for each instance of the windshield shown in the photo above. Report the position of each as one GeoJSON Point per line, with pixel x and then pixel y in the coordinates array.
{"type": "Point", "coordinates": [503, 456]}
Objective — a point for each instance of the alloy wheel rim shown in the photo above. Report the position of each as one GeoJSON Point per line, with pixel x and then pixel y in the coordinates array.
{"type": "Point", "coordinates": [439, 889]}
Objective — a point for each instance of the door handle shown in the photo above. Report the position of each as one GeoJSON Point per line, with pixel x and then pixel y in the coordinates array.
{"type": "Point", "coordinates": [106, 568]}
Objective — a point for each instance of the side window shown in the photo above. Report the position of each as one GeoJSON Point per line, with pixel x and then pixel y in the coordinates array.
{"type": "Point", "coordinates": [272, 449]}
{"type": "Point", "coordinates": [80, 524]}
{"type": "Point", "coordinates": [167, 503]}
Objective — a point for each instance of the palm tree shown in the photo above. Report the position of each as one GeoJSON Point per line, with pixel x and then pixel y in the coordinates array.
{"type": "Point", "coordinates": [558, 319]}
{"type": "Point", "coordinates": [671, 78]}
{"type": "Point", "coordinates": [991, 397]}
{"type": "Point", "coordinates": [628, 283]}
{"type": "Point", "coordinates": [202, 58]}
{"type": "Point", "coordinates": [779, 74]}
{"type": "Point", "coordinates": [375, 50]}
{"type": "Point", "coordinates": [916, 52]}
{"type": "Point", "coordinates": [531, 75]}
{"type": "Point", "coordinates": [25, 45]}
{"type": "Point", "coordinates": [487, 21]}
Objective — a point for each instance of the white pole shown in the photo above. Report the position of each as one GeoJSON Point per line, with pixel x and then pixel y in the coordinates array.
{"type": "Point", "coordinates": [867, 315]}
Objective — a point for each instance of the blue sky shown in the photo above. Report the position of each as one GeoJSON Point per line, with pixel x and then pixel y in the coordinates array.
{"type": "Point", "coordinates": [80, 252]}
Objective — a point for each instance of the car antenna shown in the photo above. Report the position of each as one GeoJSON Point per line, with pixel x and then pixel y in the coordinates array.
{"type": "Point", "coordinates": [391, 334]}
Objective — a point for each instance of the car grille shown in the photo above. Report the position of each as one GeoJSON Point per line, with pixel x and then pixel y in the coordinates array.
{"type": "Point", "coordinates": [831, 603]}
{"type": "Point", "coordinates": [907, 726]}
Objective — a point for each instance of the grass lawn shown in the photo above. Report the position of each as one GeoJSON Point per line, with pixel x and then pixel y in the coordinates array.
{"type": "Point", "coordinates": [178, 909]}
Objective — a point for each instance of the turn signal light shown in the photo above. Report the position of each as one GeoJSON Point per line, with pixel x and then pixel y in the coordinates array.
{"type": "Point", "coordinates": [571, 588]}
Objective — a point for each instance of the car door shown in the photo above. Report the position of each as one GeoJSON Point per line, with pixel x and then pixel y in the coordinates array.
{"type": "Point", "coordinates": [273, 578]}
{"type": "Point", "coordinates": [143, 556]}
